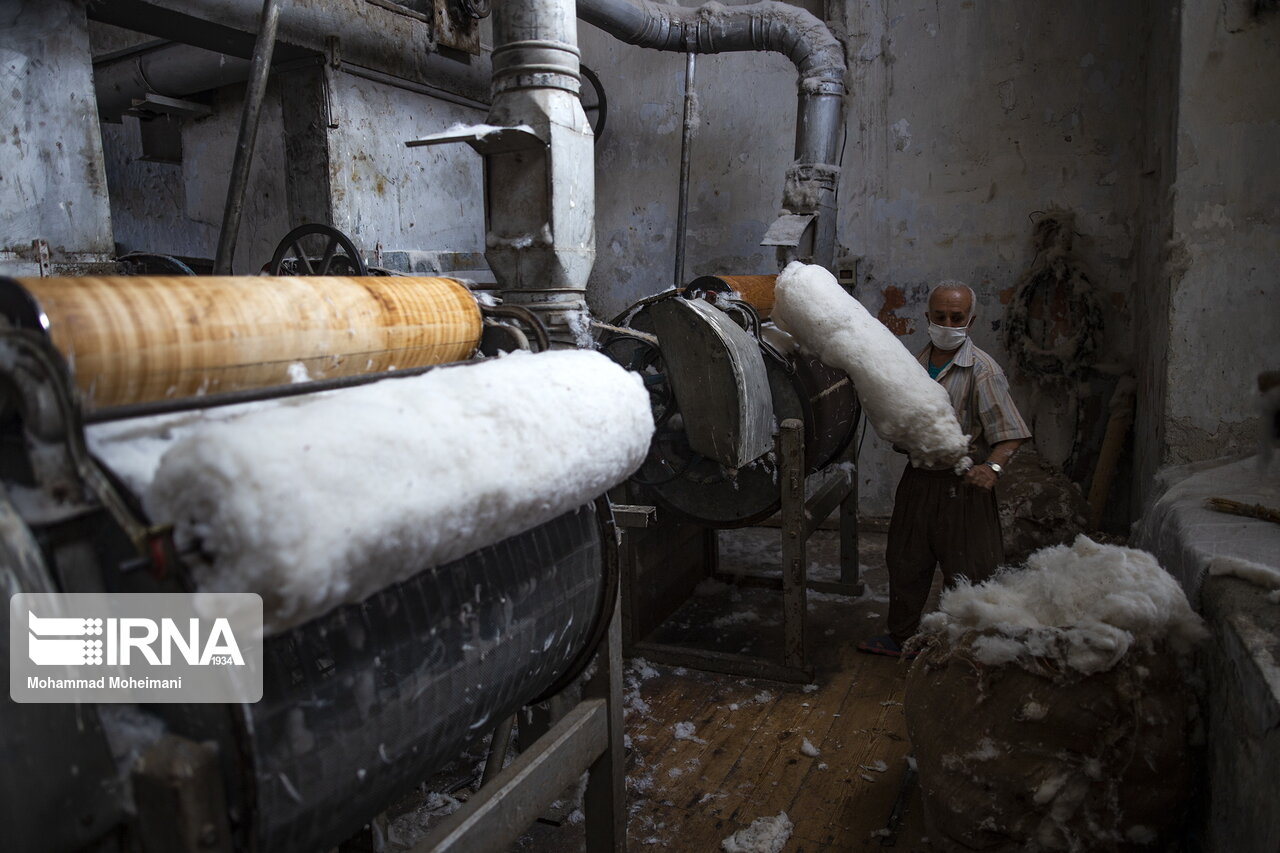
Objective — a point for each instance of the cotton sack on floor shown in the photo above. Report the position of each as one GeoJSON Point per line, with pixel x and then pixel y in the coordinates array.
{"type": "Point", "coordinates": [1050, 708]}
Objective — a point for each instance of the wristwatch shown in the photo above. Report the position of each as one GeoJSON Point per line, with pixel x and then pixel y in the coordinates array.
{"type": "Point", "coordinates": [995, 466]}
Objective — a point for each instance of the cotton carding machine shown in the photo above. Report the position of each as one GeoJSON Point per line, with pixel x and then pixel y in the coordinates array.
{"type": "Point", "coordinates": [721, 381]}
{"type": "Point", "coordinates": [360, 704]}
{"type": "Point", "coordinates": [746, 426]}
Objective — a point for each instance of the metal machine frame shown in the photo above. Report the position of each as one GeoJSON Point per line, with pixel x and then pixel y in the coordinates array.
{"type": "Point", "coordinates": [181, 807]}
{"type": "Point", "coordinates": [800, 518]}
{"type": "Point", "coordinates": [586, 739]}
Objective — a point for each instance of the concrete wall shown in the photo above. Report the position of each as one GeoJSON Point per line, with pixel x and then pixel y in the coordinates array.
{"type": "Point", "coordinates": [1224, 279]}
{"type": "Point", "coordinates": [1151, 286]}
{"type": "Point", "coordinates": [176, 209]}
{"type": "Point", "coordinates": [52, 185]}
{"type": "Point", "coordinates": [744, 143]}
{"type": "Point", "coordinates": [963, 120]}
{"type": "Point", "coordinates": [1208, 281]}
{"type": "Point", "coordinates": [1243, 705]}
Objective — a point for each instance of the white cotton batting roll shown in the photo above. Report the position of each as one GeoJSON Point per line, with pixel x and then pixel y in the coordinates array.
{"type": "Point", "coordinates": [905, 406]}
{"type": "Point", "coordinates": [316, 503]}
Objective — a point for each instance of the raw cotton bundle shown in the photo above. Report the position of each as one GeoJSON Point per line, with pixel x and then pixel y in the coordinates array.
{"type": "Point", "coordinates": [1081, 606]}
{"type": "Point", "coordinates": [905, 406]}
{"type": "Point", "coordinates": [325, 500]}
{"type": "Point", "coordinates": [1068, 712]}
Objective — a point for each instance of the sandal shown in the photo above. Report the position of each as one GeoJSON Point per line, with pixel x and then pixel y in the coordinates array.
{"type": "Point", "coordinates": [884, 645]}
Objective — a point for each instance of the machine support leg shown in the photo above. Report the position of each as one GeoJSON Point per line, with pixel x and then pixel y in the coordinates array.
{"type": "Point", "coordinates": [499, 813]}
{"type": "Point", "coordinates": [498, 749]}
{"type": "Point", "coordinates": [605, 801]}
{"type": "Point", "coordinates": [178, 790]}
{"type": "Point", "coordinates": [794, 536]}
{"type": "Point", "coordinates": [850, 570]}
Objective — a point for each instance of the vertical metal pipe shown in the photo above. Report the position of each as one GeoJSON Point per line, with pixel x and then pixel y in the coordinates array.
{"type": "Point", "coordinates": [249, 120]}
{"type": "Point", "coordinates": [540, 208]}
{"type": "Point", "coordinates": [686, 144]}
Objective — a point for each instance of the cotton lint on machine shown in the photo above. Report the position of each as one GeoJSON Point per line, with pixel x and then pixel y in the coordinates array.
{"type": "Point", "coordinates": [426, 528]}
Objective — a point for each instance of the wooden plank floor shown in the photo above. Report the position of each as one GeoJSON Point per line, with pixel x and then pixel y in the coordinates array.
{"type": "Point", "coordinates": [710, 753]}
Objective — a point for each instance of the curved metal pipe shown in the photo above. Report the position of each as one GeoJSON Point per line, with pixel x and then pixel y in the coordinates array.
{"type": "Point", "coordinates": [686, 155]}
{"type": "Point", "coordinates": [768, 26]}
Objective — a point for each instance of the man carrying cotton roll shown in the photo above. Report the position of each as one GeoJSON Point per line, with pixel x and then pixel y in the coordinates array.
{"type": "Point", "coordinates": [941, 518]}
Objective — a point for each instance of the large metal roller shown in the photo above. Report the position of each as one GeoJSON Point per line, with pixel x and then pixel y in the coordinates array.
{"type": "Point", "coordinates": [133, 339]}
{"type": "Point", "coordinates": [359, 705]}
{"type": "Point", "coordinates": [364, 703]}
{"type": "Point", "coordinates": [755, 290]}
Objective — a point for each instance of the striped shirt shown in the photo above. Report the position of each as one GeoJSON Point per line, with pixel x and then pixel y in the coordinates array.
{"type": "Point", "coordinates": [980, 395]}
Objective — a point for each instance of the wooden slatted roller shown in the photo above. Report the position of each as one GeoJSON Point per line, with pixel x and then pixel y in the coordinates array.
{"type": "Point", "coordinates": [133, 339]}
{"type": "Point", "coordinates": [755, 290]}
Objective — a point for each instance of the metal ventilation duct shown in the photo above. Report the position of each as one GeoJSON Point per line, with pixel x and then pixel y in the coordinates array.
{"type": "Point", "coordinates": [810, 188]}
{"type": "Point", "coordinates": [540, 189]}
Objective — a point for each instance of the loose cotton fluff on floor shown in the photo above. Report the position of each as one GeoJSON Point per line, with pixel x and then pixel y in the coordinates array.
{"type": "Point", "coordinates": [764, 835]}
{"type": "Point", "coordinates": [905, 406]}
{"type": "Point", "coordinates": [1083, 606]}
{"type": "Point", "coordinates": [317, 502]}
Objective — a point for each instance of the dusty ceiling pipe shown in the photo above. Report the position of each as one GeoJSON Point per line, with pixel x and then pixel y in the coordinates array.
{"type": "Point", "coordinates": [810, 189]}
{"type": "Point", "coordinates": [377, 34]}
{"type": "Point", "coordinates": [171, 70]}
{"type": "Point", "coordinates": [540, 170]}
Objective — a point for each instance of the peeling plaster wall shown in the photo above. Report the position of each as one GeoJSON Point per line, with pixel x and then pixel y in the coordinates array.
{"type": "Point", "coordinates": [1224, 301]}
{"type": "Point", "coordinates": [965, 120]}
{"type": "Point", "coordinates": [744, 143]}
{"type": "Point", "coordinates": [176, 209]}
{"type": "Point", "coordinates": [52, 185]}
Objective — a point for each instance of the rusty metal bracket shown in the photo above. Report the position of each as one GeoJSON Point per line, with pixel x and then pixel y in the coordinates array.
{"type": "Point", "coordinates": [41, 248]}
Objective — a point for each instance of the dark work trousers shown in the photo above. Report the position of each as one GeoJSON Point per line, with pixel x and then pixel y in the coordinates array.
{"type": "Point", "coordinates": [937, 520]}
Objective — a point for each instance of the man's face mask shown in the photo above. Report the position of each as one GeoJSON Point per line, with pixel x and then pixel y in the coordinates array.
{"type": "Point", "coordinates": [947, 338]}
